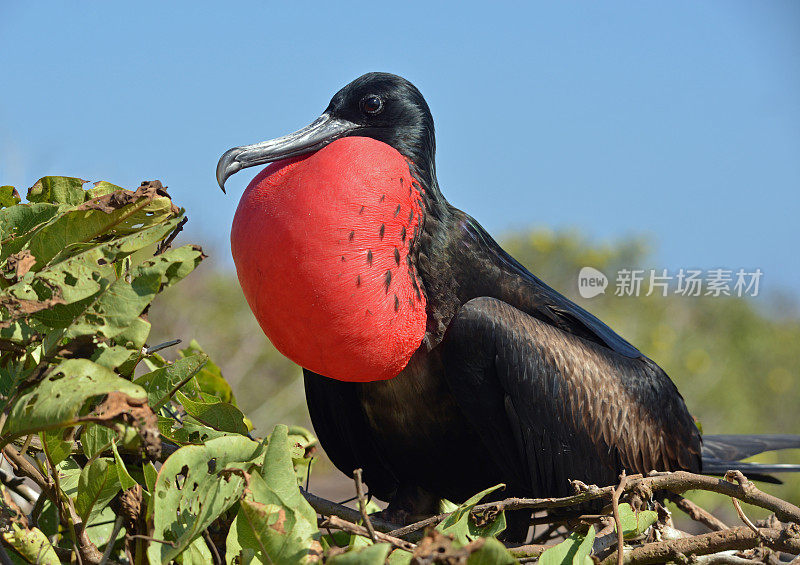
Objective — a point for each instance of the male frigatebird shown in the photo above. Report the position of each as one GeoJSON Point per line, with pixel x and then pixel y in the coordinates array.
{"type": "Point", "coordinates": [432, 359]}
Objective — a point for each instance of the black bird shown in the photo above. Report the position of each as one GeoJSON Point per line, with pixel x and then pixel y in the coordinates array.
{"type": "Point", "coordinates": [433, 359]}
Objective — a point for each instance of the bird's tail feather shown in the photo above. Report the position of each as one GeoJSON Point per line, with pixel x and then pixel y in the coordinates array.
{"type": "Point", "coordinates": [722, 453]}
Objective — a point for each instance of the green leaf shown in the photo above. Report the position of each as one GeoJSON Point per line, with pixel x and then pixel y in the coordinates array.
{"type": "Point", "coordinates": [69, 474]}
{"type": "Point", "coordinates": [102, 188]}
{"type": "Point", "coordinates": [125, 479]}
{"type": "Point", "coordinates": [574, 550]}
{"type": "Point", "coordinates": [58, 399]}
{"type": "Point", "coordinates": [120, 214]}
{"type": "Point", "coordinates": [218, 415]}
{"type": "Point", "coordinates": [400, 557]}
{"type": "Point", "coordinates": [196, 554]}
{"type": "Point", "coordinates": [492, 552]}
{"type": "Point", "coordinates": [188, 431]}
{"type": "Point", "coordinates": [101, 525]}
{"type": "Point", "coordinates": [192, 490]}
{"type": "Point", "coordinates": [31, 544]}
{"type": "Point", "coordinates": [56, 448]}
{"type": "Point", "coordinates": [634, 524]}
{"type": "Point", "coordinates": [58, 190]}
{"type": "Point", "coordinates": [371, 555]}
{"type": "Point", "coordinates": [110, 311]}
{"type": "Point", "coordinates": [8, 196]}
{"type": "Point", "coordinates": [96, 437]}
{"type": "Point", "coordinates": [234, 552]}
{"type": "Point", "coordinates": [98, 484]}
{"type": "Point", "coordinates": [210, 377]}
{"type": "Point", "coordinates": [150, 476]}
{"type": "Point", "coordinates": [274, 520]}
{"type": "Point", "coordinates": [462, 527]}
{"type": "Point", "coordinates": [160, 382]}
{"type": "Point", "coordinates": [19, 223]}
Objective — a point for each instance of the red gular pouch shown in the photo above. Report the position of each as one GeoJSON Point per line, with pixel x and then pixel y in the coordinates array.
{"type": "Point", "coordinates": [321, 246]}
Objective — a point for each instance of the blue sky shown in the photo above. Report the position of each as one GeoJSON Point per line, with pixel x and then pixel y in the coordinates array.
{"type": "Point", "coordinates": [679, 120]}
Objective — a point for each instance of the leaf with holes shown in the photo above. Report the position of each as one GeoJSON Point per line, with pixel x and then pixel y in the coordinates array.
{"type": "Point", "coordinates": [31, 544]}
{"type": "Point", "coordinates": [111, 311]}
{"type": "Point", "coordinates": [274, 521]}
{"type": "Point", "coordinates": [194, 486]}
{"type": "Point", "coordinates": [160, 382]}
{"type": "Point", "coordinates": [121, 213]}
{"type": "Point", "coordinates": [58, 190]}
{"type": "Point", "coordinates": [188, 431]}
{"type": "Point", "coordinates": [57, 401]}
{"type": "Point", "coordinates": [463, 527]}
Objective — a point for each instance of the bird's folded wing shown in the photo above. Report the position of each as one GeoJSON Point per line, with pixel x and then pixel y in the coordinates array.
{"type": "Point", "coordinates": [562, 407]}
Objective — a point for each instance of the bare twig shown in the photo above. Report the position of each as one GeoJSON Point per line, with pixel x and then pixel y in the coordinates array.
{"type": "Point", "coordinates": [623, 478]}
{"type": "Point", "coordinates": [110, 545]}
{"type": "Point", "coordinates": [155, 540]}
{"type": "Point", "coordinates": [362, 504]}
{"type": "Point", "coordinates": [164, 245]}
{"type": "Point", "coordinates": [743, 482]}
{"type": "Point", "coordinates": [210, 542]}
{"type": "Point", "coordinates": [24, 467]}
{"type": "Point", "coordinates": [697, 513]}
{"type": "Point", "coordinates": [153, 349]}
{"type": "Point", "coordinates": [339, 523]}
{"type": "Point", "coordinates": [325, 507]}
{"type": "Point", "coordinates": [528, 552]}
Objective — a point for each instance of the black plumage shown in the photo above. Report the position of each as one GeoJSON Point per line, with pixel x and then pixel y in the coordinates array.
{"type": "Point", "coordinates": [513, 383]}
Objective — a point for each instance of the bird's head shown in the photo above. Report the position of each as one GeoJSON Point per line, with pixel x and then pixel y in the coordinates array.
{"type": "Point", "coordinates": [381, 106]}
{"type": "Point", "coordinates": [324, 239]}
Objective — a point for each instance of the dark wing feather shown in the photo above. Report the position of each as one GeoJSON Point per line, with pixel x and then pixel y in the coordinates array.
{"type": "Point", "coordinates": [529, 293]}
{"type": "Point", "coordinates": [342, 429]}
{"type": "Point", "coordinates": [578, 410]}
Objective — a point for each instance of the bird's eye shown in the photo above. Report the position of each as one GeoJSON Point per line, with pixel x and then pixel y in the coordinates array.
{"type": "Point", "coordinates": [372, 104]}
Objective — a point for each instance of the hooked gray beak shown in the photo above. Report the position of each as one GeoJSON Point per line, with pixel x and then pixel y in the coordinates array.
{"type": "Point", "coordinates": [313, 137]}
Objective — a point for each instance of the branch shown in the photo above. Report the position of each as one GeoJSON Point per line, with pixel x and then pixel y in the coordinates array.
{"type": "Point", "coordinates": [676, 482]}
{"type": "Point", "coordinates": [740, 538]}
{"type": "Point", "coordinates": [362, 504]}
{"type": "Point", "coordinates": [339, 523]}
{"type": "Point", "coordinates": [697, 513]}
{"type": "Point", "coordinates": [325, 507]}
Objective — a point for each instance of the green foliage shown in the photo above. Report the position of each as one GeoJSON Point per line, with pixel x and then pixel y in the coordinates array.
{"type": "Point", "coordinates": [275, 524]}
{"type": "Point", "coordinates": [32, 545]}
{"type": "Point", "coordinates": [635, 523]}
{"type": "Point", "coordinates": [463, 527]}
{"type": "Point", "coordinates": [79, 270]}
{"type": "Point", "coordinates": [194, 486]}
{"type": "Point", "coordinates": [574, 550]}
